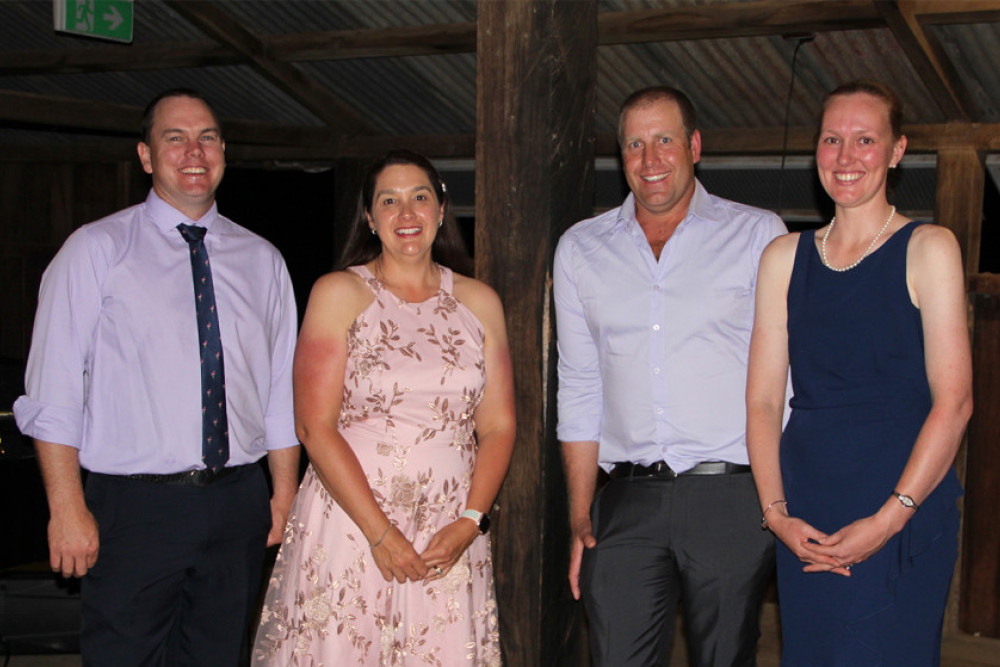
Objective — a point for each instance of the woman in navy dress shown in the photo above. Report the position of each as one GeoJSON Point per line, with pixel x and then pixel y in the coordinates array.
{"type": "Point", "coordinates": [869, 313]}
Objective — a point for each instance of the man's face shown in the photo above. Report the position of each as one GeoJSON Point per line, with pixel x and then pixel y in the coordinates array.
{"type": "Point", "coordinates": [658, 158]}
{"type": "Point", "coordinates": [185, 155]}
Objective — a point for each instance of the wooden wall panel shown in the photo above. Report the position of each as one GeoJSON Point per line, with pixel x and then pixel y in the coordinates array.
{"type": "Point", "coordinates": [980, 592]}
{"type": "Point", "coordinates": [41, 203]}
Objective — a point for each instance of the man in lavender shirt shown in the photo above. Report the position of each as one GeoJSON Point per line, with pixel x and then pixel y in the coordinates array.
{"type": "Point", "coordinates": [170, 551]}
{"type": "Point", "coordinates": [654, 307]}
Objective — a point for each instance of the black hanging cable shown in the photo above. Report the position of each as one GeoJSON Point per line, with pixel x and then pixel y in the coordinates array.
{"type": "Point", "coordinates": [800, 40]}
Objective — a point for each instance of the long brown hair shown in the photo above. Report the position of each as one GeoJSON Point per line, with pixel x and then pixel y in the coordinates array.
{"type": "Point", "coordinates": [362, 246]}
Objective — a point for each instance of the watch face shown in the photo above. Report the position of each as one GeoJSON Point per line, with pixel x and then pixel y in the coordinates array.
{"type": "Point", "coordinates": [484, 523]}
{"type": "Point", "coordinates": [906, 500]}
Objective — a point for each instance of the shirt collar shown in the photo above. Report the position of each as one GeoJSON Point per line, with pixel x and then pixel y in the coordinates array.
{"type": "Point", "coordinates": [166, 217]}
{"type": "Point", "coordinates": [701, 207]}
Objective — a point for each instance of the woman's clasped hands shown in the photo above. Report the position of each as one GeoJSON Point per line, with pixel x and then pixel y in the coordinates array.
{"type": "Point", "coordinates": [837, 552]}
{"type": "Point", "coordinates": [396, 558]}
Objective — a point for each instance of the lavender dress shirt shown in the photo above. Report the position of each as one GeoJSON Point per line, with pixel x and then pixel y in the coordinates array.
{"type": "Point", "coordinates": [114, 363]}
{"type": "Point", "coordinates": [653, 354]}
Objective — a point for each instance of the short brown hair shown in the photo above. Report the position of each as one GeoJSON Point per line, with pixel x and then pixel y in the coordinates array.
{"type": "Point", "coordinates": [653, 94]}
{"type": "Point", "coordinates": [149, 113]}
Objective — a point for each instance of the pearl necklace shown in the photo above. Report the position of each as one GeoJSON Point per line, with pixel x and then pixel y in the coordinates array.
{"type": "Point", "coordinates": [822, 245]}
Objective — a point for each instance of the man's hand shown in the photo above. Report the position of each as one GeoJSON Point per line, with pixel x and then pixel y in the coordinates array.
{"type": "Point", "coordinates": [583, 537]}
{"type": "Point", "coordinates": [279, 517]}
{"type": "Point", "coordinates": [73, 542]}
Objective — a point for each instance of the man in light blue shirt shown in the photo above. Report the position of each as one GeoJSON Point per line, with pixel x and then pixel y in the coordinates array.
{"type": "Point", "coordinates": [170, 550]}
{"type": "Point", "coordinates": [654, 306]}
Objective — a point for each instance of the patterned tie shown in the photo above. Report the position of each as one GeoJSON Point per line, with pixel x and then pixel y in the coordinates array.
{"type": "Point", "coordinates": [214, 425]}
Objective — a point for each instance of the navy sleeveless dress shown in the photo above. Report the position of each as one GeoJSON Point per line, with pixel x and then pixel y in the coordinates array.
{"type": "Point", "coordinates": [860, 398]}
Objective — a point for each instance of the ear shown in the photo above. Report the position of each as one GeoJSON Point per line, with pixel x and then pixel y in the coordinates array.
{"type": "Point", "coordinates": [371, 223]}
{"type": "Point", "coordinates": [144, 157]}
{"type": "Point", "coordinates": [695, 146]}
{"type": "Point", "coordinates": [898, 149]}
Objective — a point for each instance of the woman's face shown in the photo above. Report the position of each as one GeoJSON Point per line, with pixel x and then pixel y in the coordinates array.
{"type": "Point", "coordinates": [405, 212]}
{"type": "Point", "coordinates": [856, 149]}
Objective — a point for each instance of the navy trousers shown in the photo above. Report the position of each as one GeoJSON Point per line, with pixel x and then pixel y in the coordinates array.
{"type": "Point", "coordinates": [178, 570]}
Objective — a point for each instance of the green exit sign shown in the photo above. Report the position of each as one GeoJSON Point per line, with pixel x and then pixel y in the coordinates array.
{"type": "Point", "coordinates": [103, 19]}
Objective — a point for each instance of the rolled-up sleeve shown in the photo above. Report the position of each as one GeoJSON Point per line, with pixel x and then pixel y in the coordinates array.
{"type": "Point", "coordinates": [69, 303]}
{"type": "Point", "coordinates": [280, 415]}
{"type": "Point", "coordinates": [580, 397]}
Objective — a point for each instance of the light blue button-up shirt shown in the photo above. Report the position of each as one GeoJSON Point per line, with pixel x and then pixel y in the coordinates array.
{"type": "Point", "coordinates": [653, 353]}
{"type": "Point", "coordinates": [114, 368]}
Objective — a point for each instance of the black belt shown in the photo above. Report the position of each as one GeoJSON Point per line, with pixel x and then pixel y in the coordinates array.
{"type": "Point", "coordinates": [202, 477]}
{"type": "Point", "coordinates": [661, 469]}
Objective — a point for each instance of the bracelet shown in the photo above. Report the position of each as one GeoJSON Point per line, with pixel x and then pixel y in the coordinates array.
{"type": "Point", "coordinates": [763, 515]}
{"type": "Point", "coordinates": [379, 541]}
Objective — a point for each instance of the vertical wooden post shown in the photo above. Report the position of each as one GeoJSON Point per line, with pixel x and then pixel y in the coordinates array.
{"type": "Point", "coordinates": [960, 190]}
{"type": "Point", "coordinates": [534, 177]}
{"type": "Point", "coordinates": [961, 179]}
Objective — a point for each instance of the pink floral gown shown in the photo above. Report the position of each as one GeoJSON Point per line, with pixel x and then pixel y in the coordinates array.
{"type": "Point", "coordinates": [415, 374]}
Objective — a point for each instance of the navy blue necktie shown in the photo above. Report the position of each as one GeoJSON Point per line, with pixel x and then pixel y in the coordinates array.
{"type": "Point", "coordinates": [214, 425]}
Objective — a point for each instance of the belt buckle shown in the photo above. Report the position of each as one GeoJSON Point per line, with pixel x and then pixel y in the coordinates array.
{"type": "Point", "coordinates": [661, 469]}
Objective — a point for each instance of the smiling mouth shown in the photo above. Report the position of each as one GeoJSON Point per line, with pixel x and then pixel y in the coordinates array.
{"type": "Point", "coordinates": [194, 171]}
{"type": "Point", "coordinates": [847, 178]}
{"type": "Point", "coordinates": [408, 231]}
{"type": "Point", "coordinates": [654, 179]}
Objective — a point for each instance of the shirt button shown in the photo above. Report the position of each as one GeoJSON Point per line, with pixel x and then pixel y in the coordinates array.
{"type": "Point", "coordinates": [656, 327]}
{"type": "Point", "coordinates": [656, 371]}
{"type": "Point", "coordinates": [659, 411]}
{"type": "Point", "coordinates": [656, 287]}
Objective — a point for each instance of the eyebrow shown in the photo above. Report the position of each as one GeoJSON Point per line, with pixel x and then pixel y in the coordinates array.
{"type": "Point", "coordinates": [177, 130]}
{"type": "Point", "coordinates": [415, 188]}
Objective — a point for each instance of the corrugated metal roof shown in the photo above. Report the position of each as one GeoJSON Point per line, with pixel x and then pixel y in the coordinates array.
{"type": "Point", "coordinates": [735, 82]}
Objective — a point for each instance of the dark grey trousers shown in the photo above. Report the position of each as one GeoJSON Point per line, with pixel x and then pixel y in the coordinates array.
{"type": "Point", "coordinates": [694, 539]}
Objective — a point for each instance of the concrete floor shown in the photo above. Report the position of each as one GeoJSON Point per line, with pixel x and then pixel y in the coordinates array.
{"type": "Point", "coordinates": [957, 650]}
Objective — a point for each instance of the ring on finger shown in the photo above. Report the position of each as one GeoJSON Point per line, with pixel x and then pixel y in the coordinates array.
{"type": "Point", "coordinates": [437, 568]}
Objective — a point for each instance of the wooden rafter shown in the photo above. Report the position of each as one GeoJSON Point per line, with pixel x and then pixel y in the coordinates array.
{"type": "Point", "coordinates": [927, 58]}
{"type": "Point", "coordinates": [210, 18]}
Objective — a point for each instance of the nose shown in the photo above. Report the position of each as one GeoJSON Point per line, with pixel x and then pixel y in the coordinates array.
{"type": "Point", "coordinates": [648, 155]}
{"type": "Point", "coordinates": [846, 153]}
{"type": "Point", "coordinates": [194, 148]}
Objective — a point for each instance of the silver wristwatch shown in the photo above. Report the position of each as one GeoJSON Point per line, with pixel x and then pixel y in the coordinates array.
{"type": "Point", "coordinates": [906, 500]}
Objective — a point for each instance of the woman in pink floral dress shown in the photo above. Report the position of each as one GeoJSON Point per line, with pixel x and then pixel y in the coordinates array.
{"type": "Point", "coordinates": [404, 402]}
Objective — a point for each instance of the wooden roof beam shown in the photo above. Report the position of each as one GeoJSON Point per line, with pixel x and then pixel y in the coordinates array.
{"type": "Point", "coordinates": [944, 12]}
{"type": "Point", "coordinates": [249, 141]}
{"type": "Point", "coordinates": [210, 18]}
{"type": "Point", "coordinates": [927, 58]}
{"type": "Point", "coordinates": [67, 113]}
{"type": "Point", "coordinates": [117, 58]}
{"type": "Point", "coordinates": [741, 19]}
